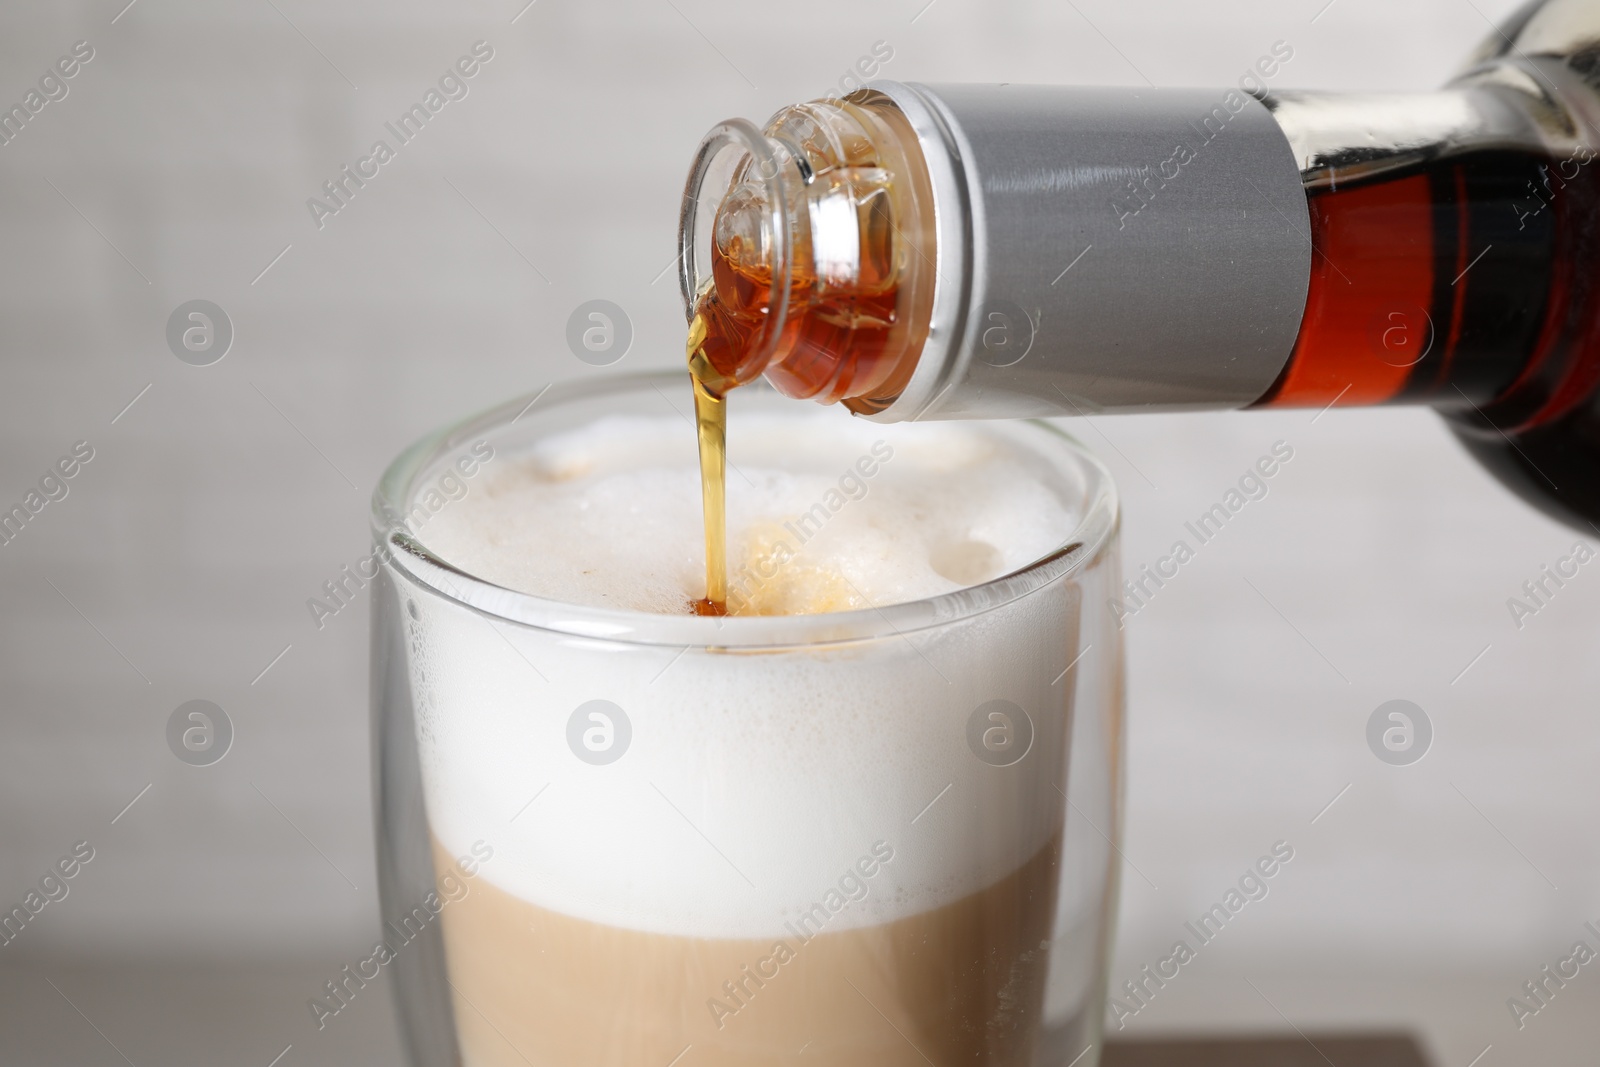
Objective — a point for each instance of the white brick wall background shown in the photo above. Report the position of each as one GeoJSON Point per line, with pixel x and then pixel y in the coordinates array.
{"type": "Point", "coordinates": [178, 566]}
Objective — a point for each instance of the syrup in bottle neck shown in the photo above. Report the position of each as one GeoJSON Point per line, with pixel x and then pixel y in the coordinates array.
{"type": "Point", "coordinates": [808, 251]}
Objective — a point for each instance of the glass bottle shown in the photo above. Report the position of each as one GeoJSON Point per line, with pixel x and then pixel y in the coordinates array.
{"type": "Point", "coordinates": [994, 251]}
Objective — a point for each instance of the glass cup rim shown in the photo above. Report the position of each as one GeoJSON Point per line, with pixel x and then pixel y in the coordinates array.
{"type": "Point", "coordinates": [397, 547]}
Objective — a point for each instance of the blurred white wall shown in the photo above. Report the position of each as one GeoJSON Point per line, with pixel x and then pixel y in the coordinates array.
{"type": "Point", "coordinates": [178, 167]}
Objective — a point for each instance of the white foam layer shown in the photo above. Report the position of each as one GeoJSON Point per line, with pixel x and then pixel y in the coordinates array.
{"type": "Point", "coordinates": [871, 515]}
{"type": "Point", "coordinates": [753, 783]}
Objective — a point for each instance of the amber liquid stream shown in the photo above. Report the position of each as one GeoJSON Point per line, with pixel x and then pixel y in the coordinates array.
{"type": "Point", "coordinates": [711, 429]}
{"type": "Point", "coordinates": [836, 344]}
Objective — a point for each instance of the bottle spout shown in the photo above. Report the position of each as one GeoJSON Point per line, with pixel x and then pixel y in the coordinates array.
{"type": "Point", "coordinates": [735, 218]}
{"type": "Point", "coordinates": [805, 250]}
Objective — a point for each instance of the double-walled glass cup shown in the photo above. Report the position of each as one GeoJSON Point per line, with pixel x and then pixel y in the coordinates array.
{"type": "Point", "coordinates": [863, 839]}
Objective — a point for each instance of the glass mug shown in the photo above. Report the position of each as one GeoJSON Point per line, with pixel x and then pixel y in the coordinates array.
{"type": "Point", "coordinates": [875, 837]}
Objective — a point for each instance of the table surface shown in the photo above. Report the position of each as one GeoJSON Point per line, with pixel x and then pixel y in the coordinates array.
{"type": "Point", "coordinates": [1244, 1050]}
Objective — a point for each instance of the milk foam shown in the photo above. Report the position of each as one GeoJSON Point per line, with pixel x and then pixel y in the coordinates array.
{"type": "Point", "coordinates": [753, 782]}
{"type": "Point", "coordinates": [871, 515]}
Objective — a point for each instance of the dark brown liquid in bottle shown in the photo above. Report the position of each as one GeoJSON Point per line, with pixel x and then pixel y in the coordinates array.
{"type": "Point", "coordinates": [1469, 283]}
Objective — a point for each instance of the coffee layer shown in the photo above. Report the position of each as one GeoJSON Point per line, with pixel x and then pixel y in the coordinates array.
{"type": "Point", "coordinates": [961, 984]}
